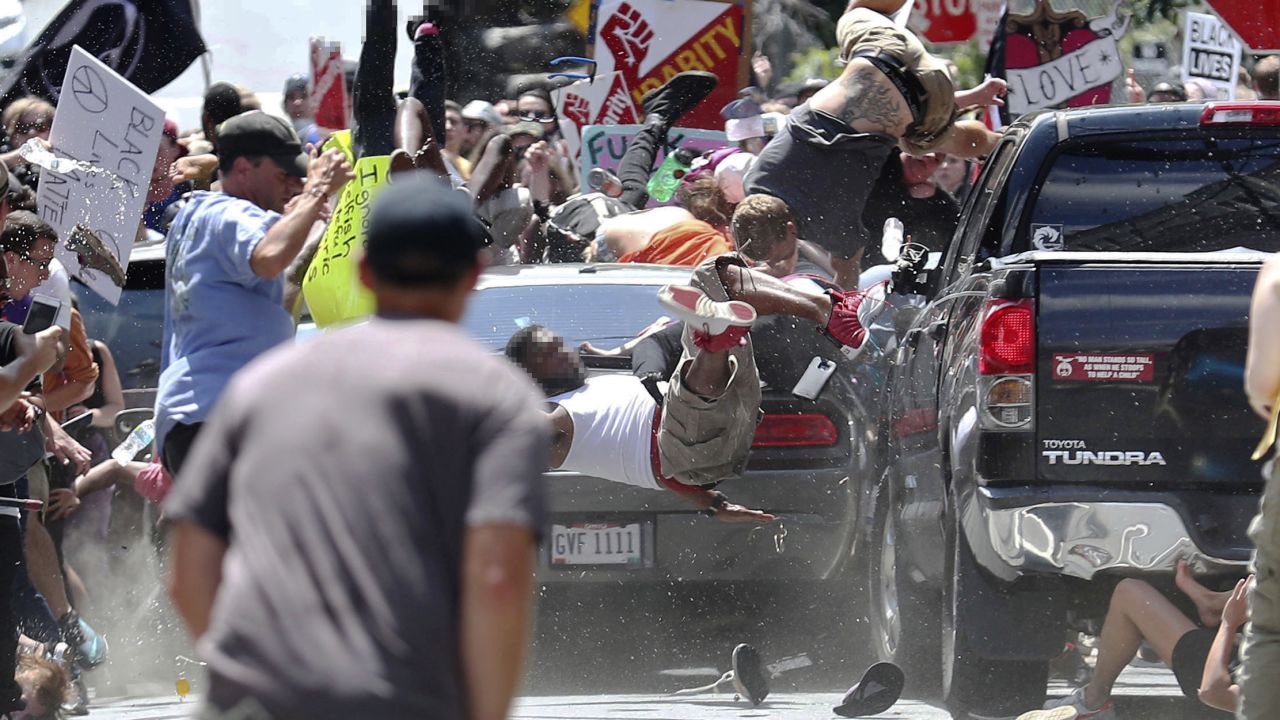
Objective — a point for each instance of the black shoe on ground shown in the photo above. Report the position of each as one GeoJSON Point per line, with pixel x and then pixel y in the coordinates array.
{"type": "Point", "coordinates": [749, 677]}
{"type": "Point", "coordinates": [877, 691]}
{"type": "Point", "coordinates": [678, 96]}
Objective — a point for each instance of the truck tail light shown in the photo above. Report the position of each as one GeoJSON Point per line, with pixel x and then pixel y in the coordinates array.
{"type": "Point", "coordinates": [1007, 364]}
{"type": "Point", "coordinates": [1008, 342]}
{"type": "Point", "coordinates": [799, 430]}
{"type": "Point", "coordinates": [1241, 113]}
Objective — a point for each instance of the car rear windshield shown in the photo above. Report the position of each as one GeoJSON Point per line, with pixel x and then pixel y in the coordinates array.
{"type": "Point", "coordinates": [604, 315]}
{"type": "Point", "coordinates": [134, 327]}
{"type": "Point", "coordinates": [1182, 194]}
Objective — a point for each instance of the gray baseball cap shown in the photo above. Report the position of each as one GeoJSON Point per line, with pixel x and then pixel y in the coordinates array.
{"type": "Point", "coordinates": [481, 110]}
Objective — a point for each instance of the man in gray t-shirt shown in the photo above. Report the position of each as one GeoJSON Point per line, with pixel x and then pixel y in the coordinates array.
{"type": "Point", "coordinates": [356, 524]}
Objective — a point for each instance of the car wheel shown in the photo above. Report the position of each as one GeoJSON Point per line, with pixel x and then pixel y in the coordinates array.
{"type": "Point", "coordinates": [972, 684]}
{"type": "Point", "coordinates": [904, 625]}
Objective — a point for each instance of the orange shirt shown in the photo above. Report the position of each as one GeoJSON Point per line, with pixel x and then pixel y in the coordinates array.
{"type": "Point", "coordinates": [687, 243]}
{"type": "Point", "coordinates": [79, 366]}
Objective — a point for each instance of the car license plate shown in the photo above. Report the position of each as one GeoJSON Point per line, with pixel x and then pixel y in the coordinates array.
{"type": "Point", "coordinates": [597, 543]}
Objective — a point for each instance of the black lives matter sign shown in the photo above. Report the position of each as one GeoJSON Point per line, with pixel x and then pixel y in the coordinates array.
{"type": "Point", "coordinates": [1210, 54]}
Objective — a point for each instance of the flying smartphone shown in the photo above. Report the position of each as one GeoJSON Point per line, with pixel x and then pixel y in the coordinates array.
{"type": "Point", "coordinates": [42, 315]}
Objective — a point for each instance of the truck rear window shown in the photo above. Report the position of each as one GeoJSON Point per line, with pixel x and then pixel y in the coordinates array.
{"type": "Point", "coordinates": [1191, 194]}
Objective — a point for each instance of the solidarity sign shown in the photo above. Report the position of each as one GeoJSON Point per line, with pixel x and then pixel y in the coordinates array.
{"type": "Point", "coordinates": [113, 129]}
{"type": "Point", "coordinates": [640, 44]}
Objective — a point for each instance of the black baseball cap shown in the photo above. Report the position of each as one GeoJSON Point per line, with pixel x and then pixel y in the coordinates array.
{"type": "Point", "coordinates": [422, 231]}
{"type": "Point", "coordinates": [257, 134]}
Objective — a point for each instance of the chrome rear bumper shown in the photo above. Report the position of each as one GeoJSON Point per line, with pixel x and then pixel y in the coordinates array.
{"type": "Point", "coordinates": [1081, 539]}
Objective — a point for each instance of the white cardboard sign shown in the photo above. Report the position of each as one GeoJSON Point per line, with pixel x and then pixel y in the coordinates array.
{"type": "Point", "coordinates": [107, 122]}
{"type": "Point", "coordinates": [1210, 54]}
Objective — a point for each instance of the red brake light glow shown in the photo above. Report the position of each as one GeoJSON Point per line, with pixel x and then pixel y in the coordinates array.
{"type": "Point", "coordinates": [1246, 113]}
{"type": "Point", "coordinates": [800, 430]}
{"type": "Point", "coordinates": [1008, 340]}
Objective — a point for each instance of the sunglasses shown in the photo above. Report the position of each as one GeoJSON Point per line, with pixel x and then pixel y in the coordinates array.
{"type": "Point", "coordinates": [537, 117]}
{"type": "Point", "coordinates": [37, 264]}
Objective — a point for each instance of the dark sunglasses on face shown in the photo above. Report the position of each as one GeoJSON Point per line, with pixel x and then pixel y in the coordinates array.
{"type": "Point", "coordinates": [537, 117]}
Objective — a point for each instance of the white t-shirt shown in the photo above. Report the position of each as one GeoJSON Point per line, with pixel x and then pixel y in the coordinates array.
{"type": "Point", "coordinates": [612, 430]}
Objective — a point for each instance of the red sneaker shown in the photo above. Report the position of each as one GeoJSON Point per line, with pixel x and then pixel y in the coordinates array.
{"type": "Point", "coordinates": [843, 326]}
{"type": "Point", "coordinates": [731, 338]}
{"type": "Point", "coordinates": [702, 313]}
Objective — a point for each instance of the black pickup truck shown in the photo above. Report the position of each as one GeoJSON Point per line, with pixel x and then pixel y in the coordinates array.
{"type": "Point", "coordinates": [1066, 408]}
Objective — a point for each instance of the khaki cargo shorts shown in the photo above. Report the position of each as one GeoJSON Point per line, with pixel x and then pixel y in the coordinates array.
{"type": "Point", "coordinates": [703, 441]}
{"type": "Point", "coordinates": [863, 29]}
{"type": "Point", "coordinates": [1260, 652]}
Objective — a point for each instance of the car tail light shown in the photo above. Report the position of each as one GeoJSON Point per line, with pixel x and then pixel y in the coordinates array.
{"type": "Point", "coordinates": [1008, 340]}
{"type": "Point", "coordinates": [1007, 365]}
{"type": "Point", "coordinates": [799, 430]}
{"type": "Point", "coordinates": [1265, 113]}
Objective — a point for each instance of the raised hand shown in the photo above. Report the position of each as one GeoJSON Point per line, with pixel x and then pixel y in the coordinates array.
{"type": "Point", "coordinates": [1236, 612]}
{"type": "Point", "coordinates": [1132, 89]}
{"type": "Point", "coordinates": [329, 171]}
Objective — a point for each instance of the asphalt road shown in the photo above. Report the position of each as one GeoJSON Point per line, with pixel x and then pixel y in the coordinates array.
{"type": "Point", "coordinates": [600, 654]}
{"type": "Point", "coordinates": [1143, 693]}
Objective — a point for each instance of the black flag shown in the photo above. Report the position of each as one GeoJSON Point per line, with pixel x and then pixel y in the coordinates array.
{"type": "Point", "coordinates": [149, 42]}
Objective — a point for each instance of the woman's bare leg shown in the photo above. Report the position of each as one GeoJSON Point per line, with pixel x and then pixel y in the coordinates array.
{"type": "Point", "coordinates": [1137, 611]}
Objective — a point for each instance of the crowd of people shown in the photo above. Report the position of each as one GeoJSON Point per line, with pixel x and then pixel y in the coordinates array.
{"type": "Point", "coordinates": [278, 501]}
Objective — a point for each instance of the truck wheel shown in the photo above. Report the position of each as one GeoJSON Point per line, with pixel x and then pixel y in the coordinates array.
{"type": "Point", "coordinates": [904, 616]}
{"type": "Point", "coordinates": [973, 684]}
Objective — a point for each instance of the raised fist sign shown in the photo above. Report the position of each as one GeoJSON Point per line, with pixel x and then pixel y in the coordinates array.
{"type": "Point", "coordinates": [577, 109]}
{"type": "Point", "coordinates": [628, 37]}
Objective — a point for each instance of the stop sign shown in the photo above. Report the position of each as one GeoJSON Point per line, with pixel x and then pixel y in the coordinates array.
{"type": "Point", "coordinates": [944, 21]}
{"type": "Point", "coordinates": [954, 21]}
{"type": "Point", "coordinates": [1256, 22]}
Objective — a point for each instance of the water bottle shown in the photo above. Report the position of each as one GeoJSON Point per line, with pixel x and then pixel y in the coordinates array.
{"type": "Point", "coordinates": [891, 239]}
{"type": "Point", "coordinates": [140, 438]}
{"type": "Point", "coordinates": [663, 184]}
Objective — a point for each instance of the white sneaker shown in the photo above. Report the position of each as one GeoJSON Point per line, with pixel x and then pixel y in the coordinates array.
{"type": "Point", "coordinates": [1072, 706]}
{"type": "Point", "coordinates": [701, 312]}
{"type": "Point", "coordinates": [1061, 713]}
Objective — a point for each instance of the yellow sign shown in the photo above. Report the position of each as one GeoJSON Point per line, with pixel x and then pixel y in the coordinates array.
{"type": "Point", "coordinates": [332, 284]}
{"type": "Point", "coordinates": [579, 15]}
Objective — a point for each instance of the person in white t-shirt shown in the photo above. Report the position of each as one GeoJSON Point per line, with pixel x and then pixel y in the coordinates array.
{"type": "Point", "coordinates": [698, 432]}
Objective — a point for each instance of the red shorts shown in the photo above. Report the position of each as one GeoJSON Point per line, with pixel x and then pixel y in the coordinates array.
{"type": "Point", "coordinates": [153, 482]}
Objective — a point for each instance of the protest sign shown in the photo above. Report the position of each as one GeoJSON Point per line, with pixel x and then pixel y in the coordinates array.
{"type": "Point", "coordinates": [640, 44]}
{"type": "Point", "coordinates": [114, 130]}
{"type": "Point", "coordinates": [332, 284]}
{"type": "Point", "coordinates": [328, 91]}
{"type": "Point", "coordinates": [1075, 69]}
{"type": "Point", "coordinates": [1210, 54]}
{"type": "Point", "coordinates": [604, 145]}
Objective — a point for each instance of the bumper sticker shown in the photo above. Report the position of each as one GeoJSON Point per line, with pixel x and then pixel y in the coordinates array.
{"type": "Point", "coordinates": [1104, 368]}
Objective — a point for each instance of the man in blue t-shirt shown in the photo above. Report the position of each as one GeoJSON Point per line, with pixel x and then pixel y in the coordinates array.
{"type": "Point", "coordinates": [225, 268]}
